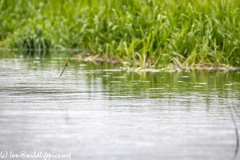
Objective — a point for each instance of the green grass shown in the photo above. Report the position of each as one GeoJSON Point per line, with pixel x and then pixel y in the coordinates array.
{"type": "Point", "coordinates": [140, 33]}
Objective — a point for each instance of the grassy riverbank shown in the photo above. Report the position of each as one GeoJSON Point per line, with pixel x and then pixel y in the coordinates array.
{"type": "Point", "coordinates": [136, 32]}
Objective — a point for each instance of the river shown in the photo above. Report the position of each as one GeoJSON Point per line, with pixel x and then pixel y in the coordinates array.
{"type": "Point", "coordinates": [97, 111]}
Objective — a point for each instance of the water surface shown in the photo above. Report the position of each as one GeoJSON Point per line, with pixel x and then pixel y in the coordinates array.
{"type": "Point", "coordinates": [96, 111]}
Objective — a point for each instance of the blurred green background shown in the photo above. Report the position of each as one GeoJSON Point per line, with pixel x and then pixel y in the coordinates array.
{"type": "Point", "coordinates": [152, 33]}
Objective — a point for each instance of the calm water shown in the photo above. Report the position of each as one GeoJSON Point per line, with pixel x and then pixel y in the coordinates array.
{"type": "Point", "coordinates": [97, 112]}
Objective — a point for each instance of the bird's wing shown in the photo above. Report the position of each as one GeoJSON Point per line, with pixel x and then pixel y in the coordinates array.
{"type": "Point", "coordinates": [62, 71]}
{"type": "Point", "coordinates": [66, 64]}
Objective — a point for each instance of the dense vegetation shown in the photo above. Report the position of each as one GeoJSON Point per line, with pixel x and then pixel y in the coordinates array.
{"type": "Point", "coordinates": [150, 33]}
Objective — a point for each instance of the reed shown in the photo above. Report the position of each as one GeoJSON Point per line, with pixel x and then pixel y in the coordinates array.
{"type": "Point", "coordinates": [140, 33]}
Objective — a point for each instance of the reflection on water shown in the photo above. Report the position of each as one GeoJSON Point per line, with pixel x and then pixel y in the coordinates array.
{"type": "Point", "coordinates": [95, 111]}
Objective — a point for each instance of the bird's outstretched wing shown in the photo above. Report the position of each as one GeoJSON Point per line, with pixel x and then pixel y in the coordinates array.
{"type": "Point", "coordinates": [67, 64]}
{"type": "Point", "coordinates": [63, 70]}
